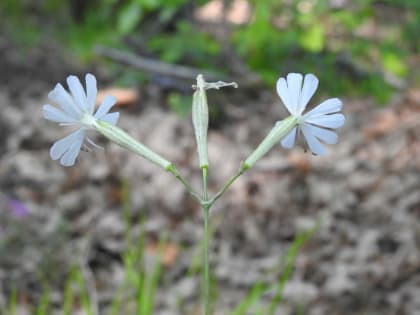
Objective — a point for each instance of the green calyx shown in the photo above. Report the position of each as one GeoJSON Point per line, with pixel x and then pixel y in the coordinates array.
{"type": "Point", "coordinates": [278, 132]}
{"type": "Point", "coordinates": [124, 140]}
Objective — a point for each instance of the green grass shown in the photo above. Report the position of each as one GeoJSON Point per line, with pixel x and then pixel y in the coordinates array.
{"type": "Point", "coordinates": [145, 284]}
{"type": "Point", "coordinates": [255, 295]}
{"type": "Point", "coordinates": [137, 292]}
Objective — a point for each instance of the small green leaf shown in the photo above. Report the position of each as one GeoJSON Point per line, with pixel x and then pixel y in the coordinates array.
{"type": "Point", "coordinates": [181, 105]}
{"type": "Point", "coordinates": [313, 39]}
{"type": "Point", "coordinates": [394, 64]}
{"type": "Point", "coordinates": [128, 17]}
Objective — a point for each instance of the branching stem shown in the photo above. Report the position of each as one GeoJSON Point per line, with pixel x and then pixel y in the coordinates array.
{"type": "Point", "coordinates": [174, 171]}
{"type": "Point", "coordinates": [225, 187]}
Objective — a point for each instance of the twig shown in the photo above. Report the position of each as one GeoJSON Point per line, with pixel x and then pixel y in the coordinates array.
{"type": "Point", "coordinates": [167, 69]}
{"type": "Point", "coordinates": [153, 66]}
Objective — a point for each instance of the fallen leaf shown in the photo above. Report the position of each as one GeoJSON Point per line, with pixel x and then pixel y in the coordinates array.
{"type": "Point", "coordinates": [299, 161]}
{"type": "Point", "coordinates": [413, 97]}
{"type": "Point", "coordinates": [382, 124]}
{"type": "Point", "coordinates": [238, 12]}
{"type": "Point", "coordinates": [124, 96]}
{"type": "Point", "coordinates": [169, 252]}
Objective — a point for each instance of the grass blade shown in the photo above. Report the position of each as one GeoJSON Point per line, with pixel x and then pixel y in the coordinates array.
{"type": "Point", "coordinates": [259, 289]}
{"type": "Point", "coordinates": [291, 255]}
{"type": "Point", "coordinates": [254, 295]}
{"type": "Point", "coordinates": [44, 302]}
{"type": "Point", "coordinates": [68, 294]}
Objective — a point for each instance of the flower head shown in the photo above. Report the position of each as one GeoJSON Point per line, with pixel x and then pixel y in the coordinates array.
{"type": "Point", "coordinates": [317, 123]}
{"type": "Point", "coordinates": [76, 109]}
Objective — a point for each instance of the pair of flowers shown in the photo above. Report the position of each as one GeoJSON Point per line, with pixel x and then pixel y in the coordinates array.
{"type": "Point", "coordinates": [77, 108]}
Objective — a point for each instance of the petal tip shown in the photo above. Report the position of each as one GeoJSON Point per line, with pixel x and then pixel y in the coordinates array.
{"type": "Point", "coordinates": [90, 76]}
{"type": "Point", "coordinates": [311, 76]}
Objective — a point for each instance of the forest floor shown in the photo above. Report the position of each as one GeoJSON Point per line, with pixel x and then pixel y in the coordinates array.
{"type": "Point", "coordinates": [364, 194]}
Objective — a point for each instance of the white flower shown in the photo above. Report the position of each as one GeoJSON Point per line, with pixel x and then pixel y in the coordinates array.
{"type": "Point", "coordinates": [313, 124]}
{"type": "Point", "coordinates": [76, 109]}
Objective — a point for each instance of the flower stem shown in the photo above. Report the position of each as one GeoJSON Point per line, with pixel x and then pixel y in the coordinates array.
{"type": "Point", "coordinates": [174, 171]}
{"type": "Point", "coordinates": [205, 193]}
{"type": "Point", "coordinates": [225, 187]}
{"type": "Point", "coordinates": [206, 209]}
{"type": "Point", "coordinates": [206, 262]}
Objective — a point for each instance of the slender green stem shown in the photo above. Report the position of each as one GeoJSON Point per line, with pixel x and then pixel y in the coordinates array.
{"type": "Point", "coordinates": [206, 204]}
{"type": "Point", "coordinates": [206, 262]}
{"type": "Point", "coordinates": [174, 171]}
{"type": "Point", "coordinates": [205, 193]}
{"type": "Point", "coordinates": [225, 187]}
{"type": "Point", "coordinates": [206, 209]}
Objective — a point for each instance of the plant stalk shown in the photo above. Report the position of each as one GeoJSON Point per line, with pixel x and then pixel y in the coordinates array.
{"type": "Point", "coordinates": [174, 171]}
{"type": "Point", "coordinates": [206, 262]}
{"type": "Point", "coordinates": [225, 187]}
{"type": "Point", "coordinates": [206, 209]}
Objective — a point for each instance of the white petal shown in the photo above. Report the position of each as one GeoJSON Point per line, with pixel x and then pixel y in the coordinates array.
{"type": "Point", "coordinates": [289, 141]}
{"type": "Point", "coordinates": [59, 95]}
{"type": "Point", "coordinates": [77, 91]}
{"type": "Point", "coordinates": [106, 105]}
{"type": "Point", "coordinates": [91, 92]}
{"type": "Point", "coordinates": [111, 118]}
{"type": "Point", "coordinates": [69, 157]}
{"type": "Point", "coordinates": [328, 121]}
{"type": "Point", "coordinates": [324, 135]}
{"type": "Point", "coordinates": [294, 84]}
{"type": "Point", "coordinates": [51, 113]}
{"type": "Point", "coordinates": [332, 105]}
{"type": "Point", "coordinates": [63, 145]}
{"type": "Point", "coordinates": [310, 84]}
{"type": "Point", "coordinates": [284, 94]}
{"type": "Point", "coordinates": [314, 145]}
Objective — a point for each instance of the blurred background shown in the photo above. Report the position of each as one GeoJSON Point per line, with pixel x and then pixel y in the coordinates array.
{"type": "Point", "coordinates": [114, 234]}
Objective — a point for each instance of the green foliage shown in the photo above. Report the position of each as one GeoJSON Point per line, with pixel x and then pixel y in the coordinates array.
{"type": "Point", "coordinates": [311, 36]}
{"type": "Point", "coordinates": [76, 282]}
{"type": "Point", "coordinates": [44, 301]}
{"type": "Point", "coordinates": [188, 44]}
{"type": "Point", "coordinates": [140, 285]}
{"type": "Point", "coordinates": [144, 282]}
{"type": "Point", "coordinates": [290, 259]}
{"type": "Point", "coordinates": [377, 37]}
{"type": "Point", "coordinates": [179, 104]}
{"type": "Point", "coordinates": [130, 14]}
{"type": "Point", "coordinates": [128, 17]}
{"type": "Point", "coordinates": [392, 62]}
{"type": "Point", "coordinates": [68, 296]}
{"type": "Point", "coordinates": [11, 308]}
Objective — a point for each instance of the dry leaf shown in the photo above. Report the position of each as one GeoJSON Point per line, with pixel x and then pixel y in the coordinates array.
{"type": "Point", "coordinates": [299, 161]}
{"type": "Point", "coordinates": [169, 253]}
{"type": "Point", "coordinates": [124, 96]}
{"type": "Point", "coordinates": [238, 12]}
{"type": "Point", "coordinates": [383, 124]}
{"type": "Point", "coordinates": [413, 97]}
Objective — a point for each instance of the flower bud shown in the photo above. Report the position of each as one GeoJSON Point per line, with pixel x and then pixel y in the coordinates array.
{"type": "Point", "coordinates": [200, 115]}
{"type": "Point", "coordinates": [200, 118]}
